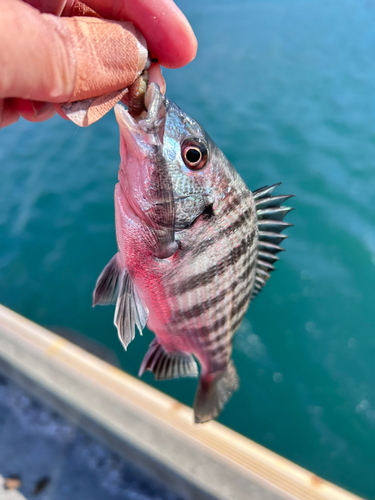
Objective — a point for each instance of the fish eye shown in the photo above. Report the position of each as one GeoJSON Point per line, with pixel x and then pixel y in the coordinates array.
{"type": "Point", "coordinates": [194, 153]}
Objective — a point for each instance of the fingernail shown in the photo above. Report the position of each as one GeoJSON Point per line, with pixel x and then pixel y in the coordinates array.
{"type": "Point", "coordinates": [79, 9]}
{"type": "Point", "coordinates": [109, 55]}
{"type": "Point", "coordinates": [157, 77]}
{"type": "Point", "coordinates": [39, 107]}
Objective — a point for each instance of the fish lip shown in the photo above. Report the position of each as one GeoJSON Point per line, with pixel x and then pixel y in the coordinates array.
{"type": "Point", "coordinates": [149, 123]}
{"type": "Point", "coordinates": [124, 119]}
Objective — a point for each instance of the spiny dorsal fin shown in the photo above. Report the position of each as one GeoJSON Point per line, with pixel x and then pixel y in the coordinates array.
{"type": "Point", "coordinates": [130, 311]}
{"type": "Point", "coordinates": [106, 289]}
{"type": "Point", "coordinates": [166, 365]}
{"type": "Point", "coordinates": [270, 216]}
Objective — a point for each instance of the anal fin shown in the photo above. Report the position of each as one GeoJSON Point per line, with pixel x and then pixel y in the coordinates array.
{"type": "Point", "coordinates": [167, 365]}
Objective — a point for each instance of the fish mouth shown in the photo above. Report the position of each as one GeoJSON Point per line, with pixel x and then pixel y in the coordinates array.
{"type": "Point", "coordinates": [148, 127]}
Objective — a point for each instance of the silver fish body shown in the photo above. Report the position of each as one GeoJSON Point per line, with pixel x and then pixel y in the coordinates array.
{"type": "Point", "coordinates": [195, 245]}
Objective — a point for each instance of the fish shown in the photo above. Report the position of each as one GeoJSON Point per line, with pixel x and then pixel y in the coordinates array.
{"type": "Point", "coordinates": [195, 246]}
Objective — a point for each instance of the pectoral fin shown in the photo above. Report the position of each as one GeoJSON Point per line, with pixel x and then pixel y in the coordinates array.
{"type": "Point", "coordinates": [130, 311]}
{"type": "Point", "coordinates": [107, 285]}
{"type": "Point", "coordinates": [115, 283]}
{"type": "Point", "coordinates": [166, 365]}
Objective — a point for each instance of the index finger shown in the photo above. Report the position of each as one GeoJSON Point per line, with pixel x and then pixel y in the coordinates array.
{"type": "Point", "coordinates": [167, 31]}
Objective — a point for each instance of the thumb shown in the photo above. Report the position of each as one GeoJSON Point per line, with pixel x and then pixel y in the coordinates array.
{"type": "Point", "coordinates": [47, 58]}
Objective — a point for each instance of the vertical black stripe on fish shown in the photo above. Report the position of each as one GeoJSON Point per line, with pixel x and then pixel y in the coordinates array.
{"type": "Point", "coordinates": [236, 324]}
{"type": "Point", "coordinates": [198, 309]}
{"type": "Point", "coordinates": [245, 275]}
{"type": "Point", "coordinates": [249, 238]}
{"type": "Point", "coordinates": [206, 277]}
{"type": "Point", "coordinates": [248, 267]}
{"type": "Point", "coordinates": [209, 331]}
{"type": "Point", "coordinates": [234, 202]}
{"type": "Point", "coordinates": [225, 335]}
{"type": "Point", "coordinates": [216, 343]}
{"type": "Point", "coordinates": [240, 221]}
{"type": "Point", "coordinates": [203, 332]}
{"type": "Point", "coordinates": [203, 245]}
{"type": "Point", "coordinates": [245, 278]}
{"type": "Point", "coordinates": [241, 301]}
{"type": "Point", "coordinates": [241, 305]}
{"type": "Point", "coordinates": [205, 336]}
{"type": "Point", "coordinates": [218, 353]}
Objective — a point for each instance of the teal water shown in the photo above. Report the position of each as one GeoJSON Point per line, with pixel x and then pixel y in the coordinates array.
{"type": "Point", "coordinates": [287, 89]}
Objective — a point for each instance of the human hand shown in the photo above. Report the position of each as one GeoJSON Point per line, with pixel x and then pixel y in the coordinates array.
{"type": "Point", "coordinates": [38, 68]}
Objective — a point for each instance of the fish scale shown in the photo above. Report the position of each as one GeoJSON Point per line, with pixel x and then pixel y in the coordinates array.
{"type": "Point", "coordinates": [195, 247]}
{"type": "Point", "coordinates": [241, 243]}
